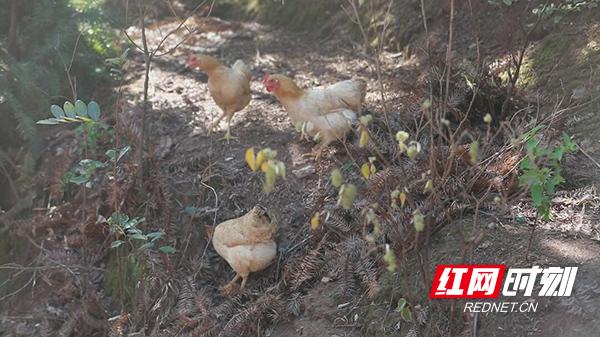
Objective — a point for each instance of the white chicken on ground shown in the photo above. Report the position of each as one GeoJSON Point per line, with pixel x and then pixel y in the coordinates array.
{"type": "Point", "coordinates": [325, 113]}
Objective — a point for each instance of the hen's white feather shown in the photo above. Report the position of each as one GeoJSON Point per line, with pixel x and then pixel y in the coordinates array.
{"type": "Point", "coordinates": [243, 68]}
{"type": "Point", "coordinates": [328, 112]}
{"type": "Point", "coordinates": [331, 126]}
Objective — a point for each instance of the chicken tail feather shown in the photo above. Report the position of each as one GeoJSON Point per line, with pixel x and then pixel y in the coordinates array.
{"type": "Point", "coordinates": [243, 68]}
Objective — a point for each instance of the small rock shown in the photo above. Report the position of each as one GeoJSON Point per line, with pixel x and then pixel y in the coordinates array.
{"type": "Point", "coordinates": [23, 329]}
{"type": "Point", "coordinates": [228, 158]}
{"type": "Point", "coordinates": [579, 93]}
{"type": "Point", "coordinates": [304, 172]}
{"type": "Point", "coordinates": [485, 245]}
{"type": "Point", "coordinates": [492, 225]}
{"type": "Point", "coordinates": [325, 279]}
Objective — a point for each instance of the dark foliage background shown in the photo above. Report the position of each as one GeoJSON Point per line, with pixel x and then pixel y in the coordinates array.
{"type": "Point", "coordinates": [39, 41]}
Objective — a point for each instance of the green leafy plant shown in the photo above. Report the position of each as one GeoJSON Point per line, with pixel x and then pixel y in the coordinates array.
{"type": "Point", "coordinates": [347, 191]}
{"type": "Point", "coordinates": [412, 149]}
{"type": "Point", "coordinates": [368, 169]}
{"type": "Point", "coordinates": [127, 231]}
{"type": "Point", "coordinates": [541, 171]}
{"type": "Point", "coordinates": [364, 134]}
{"type": "Point", "coordinates": [390, 259]}
{"type": "Point", "coordinates": [73, 113]}
{"type": "Point", "coordinates": [404, 309]}
{"type": "Point", "coordinates": [45, 35]}
{"type": "Point", "coordinates": [118, 65]}
{"type": "Point", "coordinates": [266, 162]}
{"type": "Point", "coordinates": [84, 172]}
{"type": "Point", "coordinates": [556, 12]}
{"type": "Point", "coordinates": [87, 116]}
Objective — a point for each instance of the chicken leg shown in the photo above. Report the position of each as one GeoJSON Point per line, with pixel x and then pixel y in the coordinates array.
{"type": "Point", "coordinates": [228, 135]}
{"type": "Point", "coordinates": [316, 152]}
{"type": "Point", "coordinates": [215, 123]}
{"type": "Point", "coordinates": [228, 288]}
{"type": "Point", "coordinates": [244, 280]}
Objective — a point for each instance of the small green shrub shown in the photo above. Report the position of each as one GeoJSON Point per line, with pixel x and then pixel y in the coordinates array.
{"type": "Point", "coordinates": [556, 12]}
{"type": "Point", "coordinates": [50, 37]}
{"type": "Point", "coordinates": [126, 229]}
{"type": "Point", "coordinates": [541, 171]}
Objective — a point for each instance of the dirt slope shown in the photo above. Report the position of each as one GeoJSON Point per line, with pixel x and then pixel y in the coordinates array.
{"type": "Point", "coordinates": [183, 109]}
{"type": "Point", "coordinates": [201, 171]}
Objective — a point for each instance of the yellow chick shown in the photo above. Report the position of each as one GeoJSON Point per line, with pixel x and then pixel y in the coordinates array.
{"type": "Point", "coordinates": [246, 243]}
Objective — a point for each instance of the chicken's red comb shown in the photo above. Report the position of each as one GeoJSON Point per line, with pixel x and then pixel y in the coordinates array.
{"type": "Point", "coordinates": [266, 78]}
{"type": "Point", "coordinates": [191, 59]}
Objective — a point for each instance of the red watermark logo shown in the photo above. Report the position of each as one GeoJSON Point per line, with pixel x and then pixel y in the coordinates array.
{"type": "Point", "coordinates": [483, 281]}
{"type": "Point", "coordinates": [467, 281]}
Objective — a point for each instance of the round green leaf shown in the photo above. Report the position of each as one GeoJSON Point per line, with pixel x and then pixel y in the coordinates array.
{"type": "Point", "coordinates": [93, 110]}
{"type": "Point", "coordinates": [69, 109]}
{"type": "Point", "coordinates": [80, 109]}
{"type": "Point", "coordinates": [57, 111]}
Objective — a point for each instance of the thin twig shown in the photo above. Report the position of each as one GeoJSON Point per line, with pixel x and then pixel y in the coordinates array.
{"type": "Point", "coordinates": [449, 52]}
{"type": "Point", "coordinates": [20, 289]}
{"type": "Point", "coordinates": [148, 58]}
{"type": "Point", "coordinates": [587, 155]}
